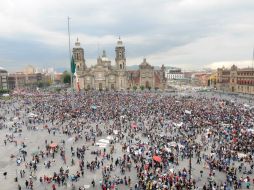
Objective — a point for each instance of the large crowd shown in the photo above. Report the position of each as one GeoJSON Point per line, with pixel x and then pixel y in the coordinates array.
{"type": "Point", "coordinates": [153, 141]}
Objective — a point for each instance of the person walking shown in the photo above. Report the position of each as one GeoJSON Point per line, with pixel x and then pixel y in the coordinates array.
{"type": "Point", "coordinates": [26, 183]}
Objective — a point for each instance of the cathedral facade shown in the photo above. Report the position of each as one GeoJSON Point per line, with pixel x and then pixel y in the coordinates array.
{"type": "Point", "coordinates": [105, 76]}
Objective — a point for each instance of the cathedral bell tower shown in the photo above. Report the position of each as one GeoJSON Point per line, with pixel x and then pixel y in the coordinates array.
{"type": "Point", "coordinates": [121, 65]}
{"type": "Point", "coordinates": [120, 56]}
{"type": "Point", "coordinates": [78, 55]}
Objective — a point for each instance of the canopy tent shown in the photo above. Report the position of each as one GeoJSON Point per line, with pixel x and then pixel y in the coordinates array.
{"type": "Point", "coordinates": [53, 145]}
{"type": "Point", "coordinates": [32, 115]}
{"type": "Point", "coordinates": [94, 107]}
{"type": "Point", "coordinates": [105, 141]}
{"type": "Point", "coordinates": [134, 125]}
{"type": "Point", "coordinates": [178, 124]}
{"type": "Point", "coordinates": [109, 137]}
{"type": "Point", "coordinates": [241, 155]}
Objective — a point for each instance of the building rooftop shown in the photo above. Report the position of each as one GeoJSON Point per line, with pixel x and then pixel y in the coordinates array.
{"type": "Point", "coordinates": [3, 70]}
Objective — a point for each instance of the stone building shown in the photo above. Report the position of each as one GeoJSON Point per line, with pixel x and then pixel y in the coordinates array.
{"type": "Point", "coordinates": [147, 76]}
{"type": "Point", "coordinates": [174, 73]}
{"type": "Point", "coordinates": [21, 80]}
{"type": "Point", "coordinates": [106, 76]}
{"type": "Point", "coordinates": [235, 80]}
{"type": "Point", "coordinates": [3, 79]}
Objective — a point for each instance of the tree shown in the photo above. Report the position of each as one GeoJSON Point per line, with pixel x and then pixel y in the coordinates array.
{"type": "Point", "coordinates": [134, 88]}
{"type": "Point", "coordinates": [66, 77]}
{"type": "Point", "coordinates": [4, 91]}
{"type": "Point", "coordinates": [142, 87]}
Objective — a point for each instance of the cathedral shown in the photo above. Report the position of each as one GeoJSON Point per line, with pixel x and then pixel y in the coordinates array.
{"type": "Point", "coordinates": [105, 76]}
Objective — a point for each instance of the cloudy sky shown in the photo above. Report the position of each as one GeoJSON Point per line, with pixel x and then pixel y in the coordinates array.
{"type": "Point", "coordinates": [190, 34]}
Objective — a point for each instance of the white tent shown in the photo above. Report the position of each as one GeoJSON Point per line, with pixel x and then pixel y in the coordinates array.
{"type": "Point", "coordinates": [103, 145]}
{"type": "Point", "coordinates": [178, 124]}
{"type": "Point", "coordinates": [241, 155]}
{"type": "Point", "coordinates": [110, 138]}
{"type": "Point", "coordinates": [105, 141]}
{"type": "Point", "coordinates": [32, 115]}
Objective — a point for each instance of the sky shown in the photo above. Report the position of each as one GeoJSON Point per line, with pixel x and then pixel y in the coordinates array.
{"type": "Point", "coordinates": [190, 34]}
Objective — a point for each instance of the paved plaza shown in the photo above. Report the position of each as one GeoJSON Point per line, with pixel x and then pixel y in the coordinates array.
{"type": "Point", "coordinates": [120, 140]}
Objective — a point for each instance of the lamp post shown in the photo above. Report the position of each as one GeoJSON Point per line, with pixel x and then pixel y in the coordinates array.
{"type": "Point", "coordinates": [70, 48]}
{"type": "Point", "coordinates": [190, 166]}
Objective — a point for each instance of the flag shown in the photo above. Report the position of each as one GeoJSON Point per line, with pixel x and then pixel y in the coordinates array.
{"type": "Point", "coordinates": [78, 87]}
{"type": "Point", "coordinates": [73, 65]}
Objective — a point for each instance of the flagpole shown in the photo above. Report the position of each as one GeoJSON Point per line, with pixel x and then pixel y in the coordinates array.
{"type": "Point", "coordinates": [253, 59]}
{"type": "Point", "coordinates": [70, 49]}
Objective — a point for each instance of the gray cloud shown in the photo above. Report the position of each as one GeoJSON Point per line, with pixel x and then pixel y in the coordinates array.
{"type": "Point", "coordinates": [185, 33]}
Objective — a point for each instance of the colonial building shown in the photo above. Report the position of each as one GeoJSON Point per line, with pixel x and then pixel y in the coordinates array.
{"type": "Point", "coordinates": [235, 80]}
{"type": "Point", "coordinates": [3, 79]}
{"type": "Point", "coordinates": [174, 73]}
{"type": "Point", "coordinates": [106, 76]}
{"type": "Point", "coordinates": [21, 80]}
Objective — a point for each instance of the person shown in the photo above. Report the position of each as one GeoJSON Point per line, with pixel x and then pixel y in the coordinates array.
{"type": "Point", "coordinates": [93, 183]}
{"type": "Point", "coordinates": [5, 174]}
{"type": "Point", "coordinates": [201, 173]}
{"type": "Point", "coordinates": [19, 187]}
{"type": "Point", "coordinates": [53, 187]}
{"type": "Point", "coordinates": [26, 183]}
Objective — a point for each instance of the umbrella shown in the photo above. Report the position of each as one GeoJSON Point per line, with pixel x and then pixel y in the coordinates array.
{"type": "Point", "coordinates": [157, 158]}
{"type": "Point", "coordinates": [94, 107]}
{"type": "Point", "coordinates": [53, 145]}
{"type": "Point", "coordinates": [134, 125]}
{"type": "Point", "coordinates": [35, 152]}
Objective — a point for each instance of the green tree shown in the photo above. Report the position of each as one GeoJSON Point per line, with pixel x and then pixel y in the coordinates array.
{"type": "Point", "coordinates": [66, 77]}
{"type": "Point", "coordinates": [134, 88]}
{"type": "Point", "coordinates": [142, 87]}
{"type": "Point", "coordinates": [4, 91]}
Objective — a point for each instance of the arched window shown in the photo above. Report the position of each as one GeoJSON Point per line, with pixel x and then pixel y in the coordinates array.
{"type": "Point", "coordinates": [120, 66]}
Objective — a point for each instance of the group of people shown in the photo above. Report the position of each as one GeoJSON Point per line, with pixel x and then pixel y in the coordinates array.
{"type": "Point", "coordinates": [155, 140]}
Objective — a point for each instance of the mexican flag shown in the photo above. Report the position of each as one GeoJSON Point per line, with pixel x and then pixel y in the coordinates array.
{"type": "Point", "coordinates": [73, 65]}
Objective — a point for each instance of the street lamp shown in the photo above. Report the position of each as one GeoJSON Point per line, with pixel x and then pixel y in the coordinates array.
{"type": "Point", "coordinates": [190, 165]}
